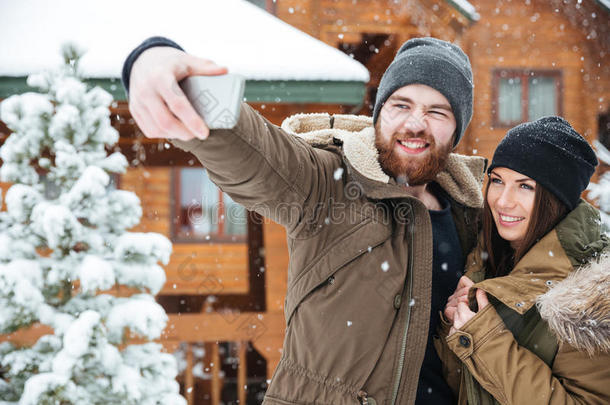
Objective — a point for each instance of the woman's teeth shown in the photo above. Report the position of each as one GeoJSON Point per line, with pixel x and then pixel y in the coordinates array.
{"type": "Point", "coordinates": [507, 218]}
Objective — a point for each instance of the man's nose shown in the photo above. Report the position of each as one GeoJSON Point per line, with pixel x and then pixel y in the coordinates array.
{"type": "Point", "coordinates": [415, 122]}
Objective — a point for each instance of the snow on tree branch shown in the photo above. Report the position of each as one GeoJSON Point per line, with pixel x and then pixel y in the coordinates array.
{"type": "Point", "coordinates": [64, 244]}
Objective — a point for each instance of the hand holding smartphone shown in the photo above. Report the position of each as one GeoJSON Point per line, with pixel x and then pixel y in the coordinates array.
{"type": "Point", "coordinates": [217, 99]}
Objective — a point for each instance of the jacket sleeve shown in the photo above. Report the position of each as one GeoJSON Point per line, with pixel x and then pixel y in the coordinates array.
{"type": "Point", "coordinates": [267, 170]}
{"type": "Point", "coordinates": [258, 164]}
{"type": "Point", "coordinates": [514, 375]}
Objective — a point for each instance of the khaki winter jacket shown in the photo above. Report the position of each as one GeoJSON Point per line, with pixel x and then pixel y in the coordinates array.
{"type": "Point", "coordinates": [545, 337]}
{"type": "Point", "coordinates": [358, 300]}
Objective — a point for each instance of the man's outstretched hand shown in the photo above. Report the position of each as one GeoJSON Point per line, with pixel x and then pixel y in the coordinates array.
{"type": "Point", "coordinates": [157, 103]}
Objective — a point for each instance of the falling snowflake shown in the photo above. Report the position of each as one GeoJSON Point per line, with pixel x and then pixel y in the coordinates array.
{"type": "Point", "coordinates": [338, 173]}
{"type": "Point", "coordinates": [385, 266]}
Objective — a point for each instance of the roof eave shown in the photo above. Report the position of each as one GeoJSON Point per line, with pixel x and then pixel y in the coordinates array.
{"type": "Point", "coordinates": [263, 91]}
{"type": "Point", "coordinates": [471, 16]}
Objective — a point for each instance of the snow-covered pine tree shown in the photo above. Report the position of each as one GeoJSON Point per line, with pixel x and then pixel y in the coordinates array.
{"type": "Point", "coordinates": [600, 192]}
{"type": "Point", "coordinates": [63, 241]}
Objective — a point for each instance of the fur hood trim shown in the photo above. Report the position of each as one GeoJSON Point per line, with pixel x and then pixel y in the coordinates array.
{"type": "Point", "coordinates": [577, 309]}
{"type": "Point", "coordinates": [462, 178]}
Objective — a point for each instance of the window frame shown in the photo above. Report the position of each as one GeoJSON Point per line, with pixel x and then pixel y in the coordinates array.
{"type": "Point", "coordinates": [176, 216]}
{"type": "Point", "coordinates": [524, 74]}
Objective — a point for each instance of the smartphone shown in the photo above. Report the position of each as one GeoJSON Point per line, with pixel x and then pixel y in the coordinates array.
{"type": "Point", "coordinates": [216, 98]}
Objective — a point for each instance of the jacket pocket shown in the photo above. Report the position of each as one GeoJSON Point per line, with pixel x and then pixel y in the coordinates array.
{"type": "Point", "coordinates": [348, 247]}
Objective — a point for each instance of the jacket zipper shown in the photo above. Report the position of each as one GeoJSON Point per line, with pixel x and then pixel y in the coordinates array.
{"type": "Point", "coordinates": [403, 348]}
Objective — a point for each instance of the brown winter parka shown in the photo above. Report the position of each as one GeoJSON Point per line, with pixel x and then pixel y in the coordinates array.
{"type": "Point", "coordinates": [545, 337]}
{"type": "Point", "coordinates": [359, 279]}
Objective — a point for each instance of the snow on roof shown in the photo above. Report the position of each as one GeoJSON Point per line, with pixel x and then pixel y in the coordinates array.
{"type": "Point", "coordinates": [466, 8]}
{"type": "Point", "coordinates": [233, 33]}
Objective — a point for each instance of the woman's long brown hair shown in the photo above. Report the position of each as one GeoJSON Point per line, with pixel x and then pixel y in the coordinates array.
{"type": "Point", "coordinates": [501, 259]}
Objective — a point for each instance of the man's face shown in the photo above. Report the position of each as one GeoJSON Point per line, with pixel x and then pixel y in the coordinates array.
{"type": "Point", "coordinates": [414, 134]}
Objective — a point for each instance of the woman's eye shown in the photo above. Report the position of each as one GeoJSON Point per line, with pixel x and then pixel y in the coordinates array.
{"type": "Point", "coordinates": [438, 113]}
{"type": "Point", "coordinates": [527, 187]}
{"type": "Point", "coordinates": [496, 180]}
{"type": "Point", "coordinates": [402, 106]}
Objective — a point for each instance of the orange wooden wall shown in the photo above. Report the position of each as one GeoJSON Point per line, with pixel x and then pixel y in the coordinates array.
{"type": "Point", "coordinates": [533, 35]}
{"type": "Point", "coordinates": [194, 268]}
{"type": "Point", "coordinates": [536, 34]}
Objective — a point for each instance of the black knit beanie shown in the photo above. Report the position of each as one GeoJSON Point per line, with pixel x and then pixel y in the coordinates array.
{"type": "Point", "coordinates": [435, 63]}
{"type": "Point", "coordinates": [550, 152]}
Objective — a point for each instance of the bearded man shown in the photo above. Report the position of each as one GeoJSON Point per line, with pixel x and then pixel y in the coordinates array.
{"type": "Point", "coordinates": [364, 289]}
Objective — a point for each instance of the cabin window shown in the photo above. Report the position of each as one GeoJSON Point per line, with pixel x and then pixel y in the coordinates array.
{"type": "Point", "coordinates": [202, 212]}
{"type": "Point", "coordinates": [525, 95]}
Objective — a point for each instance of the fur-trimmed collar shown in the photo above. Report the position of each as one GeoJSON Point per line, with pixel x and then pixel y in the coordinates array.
{"type": "Point", "coordinates": [462, 178]}
{"type": "Point", "coordinates": [578, 308]}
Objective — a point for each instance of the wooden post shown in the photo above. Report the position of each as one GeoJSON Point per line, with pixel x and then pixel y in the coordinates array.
{"type": "Point", "coordinates": [215, 366]}
{"type": "Point", "coordinates": [242, 369]}
{"type": "Point", "coordinates": [189, 385]}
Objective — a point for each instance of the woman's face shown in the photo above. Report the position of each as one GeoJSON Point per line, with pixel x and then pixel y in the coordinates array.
{"type": "Point", "coordinates": [511, 199]}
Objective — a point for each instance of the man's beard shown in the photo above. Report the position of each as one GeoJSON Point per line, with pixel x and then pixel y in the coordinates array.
{"type": "Point", "coordinates": [416, 171]}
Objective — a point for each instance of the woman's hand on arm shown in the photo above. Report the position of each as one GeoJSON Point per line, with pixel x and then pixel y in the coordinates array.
{"type": "Point", "coordinates": [513, 374]}
{"type": "Point", "coordinates": [460, 295]}
{"type": "Point", "coordinates": [463, 313]}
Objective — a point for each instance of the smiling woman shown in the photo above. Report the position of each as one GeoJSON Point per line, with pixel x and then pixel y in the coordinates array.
{"type": "Point", "coordinates": [518, 211]}
{"type": "Point", "coordinates": [510, 197]}
{"type": "Point", "coordinates": [536, 233]}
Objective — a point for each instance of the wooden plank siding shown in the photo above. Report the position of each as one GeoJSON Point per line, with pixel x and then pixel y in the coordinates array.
{"type": "Point", "coordinates": [194, 268]}
{"type": "Point", "coordinates": [534, 36]}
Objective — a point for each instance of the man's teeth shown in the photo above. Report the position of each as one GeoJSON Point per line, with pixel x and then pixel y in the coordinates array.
{"type": "Point", "coordinates": [506, 218]}
{"type": "Point", "coordinates": [413, 145]}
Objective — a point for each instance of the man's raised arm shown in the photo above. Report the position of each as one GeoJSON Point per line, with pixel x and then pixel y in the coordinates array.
{"type": "Point", "coordinates": [256, 163]}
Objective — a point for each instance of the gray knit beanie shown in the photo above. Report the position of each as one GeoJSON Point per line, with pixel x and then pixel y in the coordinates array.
{"type": "Point", "coordinates": [435, 63]}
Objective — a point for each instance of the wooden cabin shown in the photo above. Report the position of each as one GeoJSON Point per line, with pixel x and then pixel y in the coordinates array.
{"type": "Point", "coordinates": [530, 58]}
{"type": "Point", "coordinates": [226, 281]}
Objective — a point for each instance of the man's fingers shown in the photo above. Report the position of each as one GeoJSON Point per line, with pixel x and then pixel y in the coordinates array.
{"type": "Point", "coordinates": [166, 122]}
{"type": "Point", "coordinates": [180, 106]}
{"type": "Point", "coordinates": [194, 66]}
{"type": "Point", "coordinates": [160, 133]}
{"type": "Point", "coordinates": [144, 120]}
